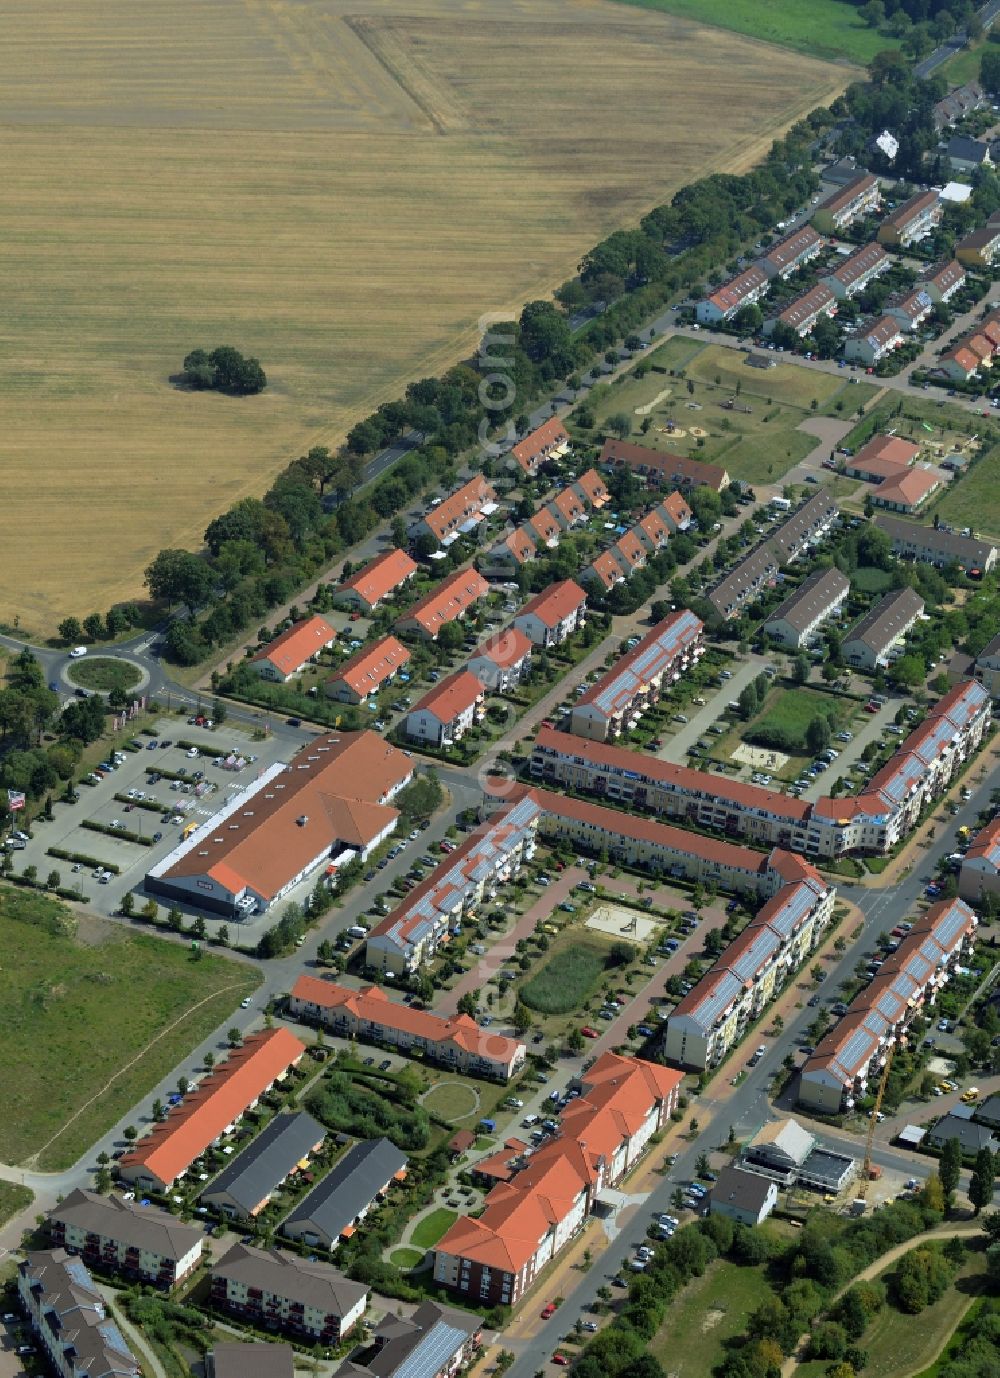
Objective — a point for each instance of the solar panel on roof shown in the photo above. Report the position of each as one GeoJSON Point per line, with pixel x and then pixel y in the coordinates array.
{"type": "Point", "coordinates": [431, 1354]}
{"type": "Point", "coordinates": [857, 1050]}
{"type": "Point", "coordinates": [719, 998]}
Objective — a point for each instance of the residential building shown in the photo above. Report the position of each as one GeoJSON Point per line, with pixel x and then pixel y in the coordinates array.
{"type": "Point", "coordinates": [857, 270]}
{"type": "Point", "coordinates": [937, 546]}
{"type": "Point", "coordinates": [459, 513]}
{"type": "Point", "coordinates": [434, 1342]}
{"type": "Point", "coordinates": [980, 870]}
{"type": "Point", "coordinates": [962, 101]}
{"type": "Point", "coordinates": [965, 154]}
{"type": "Point", "coordinates": [287, 655]}
{"type": "Point", "coordinates": [884, 456]}
{"type": "Point", "coordinates": [547, 441]}
{"type": "Point", "coordinates": [368, 672]}
{"type": "Point", "coordinates": [502, 661]}
{"type": "Point", "coordinates": [116, 1236]}
{"type": "Point", "coordinates": [68, 1315]}
{"type": "Point", "coordinates": [544, 528]}
{"type": "Point", "coordinates": [510, 553]}
{"type": "Point", "coordinates": [745, 581]}
{"type": "Point", "coordinates": [253, 1360]}
{"type": "Point", "coordinates": [802, 314]}
{"type": "Point", "coordinates": [872, 343]}
{"type": "Point", "coordinates": [870, 643]}
{"type": "Point", "coordinates": [284, 1292]}
{"type": "Point", "coordinates": [806, 524]}
{"type": "Point", "coordinates": [943, 280]}
{"type": "Point", "coordinates": [371, 1016]}
{"type": "Point", "coordinates": [452, 599]}
{"type": "Point", "coordinates": [630, 552]}
{"type": "Point", "coordinates": [752, 971]}
{"type": "Point", "coordinates": [914, 220]}
{"type": "Point", "coordinates": [210, 1111]}
{"type": "Point", "coordinates": [652, 530]}
{"type": "Point", "coordinates": [554, 614]}
{"type": "Point", "coordinates": [495, 1257]}
{"type": "Point", "coordinates": [447, 711]}
{"type": "Point", "coordinates": [618, 699]}
{"type": "Point", "coordinates": [677, 471]}
{"type": "Point", "coordinates": [959, 363]}
{"type": "Point", "coordinates": [332, 799]}
{"type": "Point", "coordinates": [988, 667]}
{"type": "Point", "coordinates": [910, 308]}
{"type": "Point", "coordinates": [336, 1206]}
{"type": "Point", "coordinates": [470, 875]}
{"type": "Point", "coordinates": [979, 248]}
{"type": "Point", "coordinates": [604, 572]}
{"type": "Point", "coordinates": [568, 508]}
{"type": "Point", "coordinates": [745, 289]}
{"type": "Point", "coordinates": [376, 581]}
{"type": "Point", "coordinates": [908, 491]}
{"type": "Point", "coordinates": [246, 1184]}
{"type": "Point", "coordinates": [972, 1136]}
{"type": "Point", "coordinates": [859, 197]}
{"type": "Point", "coordinates": [819, 597]}
{"type": "Point", "coordinates": [676, 513]}
{"type": "Point", "coordinates": [790, 1156]}
{"type": "Point", "coordinates": [592, 489]}
{"type": "Point", "coordinates": [793, 252]}
{"type": "Point", "coordinates": [743, 1196]}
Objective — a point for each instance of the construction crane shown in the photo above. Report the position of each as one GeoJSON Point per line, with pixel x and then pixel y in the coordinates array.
{"type": "Point", "coordinates": [866, 1169]}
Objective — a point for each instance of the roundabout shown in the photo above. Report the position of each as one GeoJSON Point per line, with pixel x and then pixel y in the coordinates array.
{"type": "Point", "coordinates": [103, 673]}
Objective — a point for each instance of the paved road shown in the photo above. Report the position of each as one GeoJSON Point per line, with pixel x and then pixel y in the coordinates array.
{"type": "Point", "coordinates": [930, 64]}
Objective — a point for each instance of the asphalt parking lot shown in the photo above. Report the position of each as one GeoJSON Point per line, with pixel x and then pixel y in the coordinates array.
{"type": "Point", "coordinates": [98, 803]}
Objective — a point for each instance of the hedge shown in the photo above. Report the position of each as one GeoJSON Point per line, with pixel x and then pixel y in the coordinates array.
{"type": "Point", "coordinates": [116, 832]}
{"type": "Point", "coordinates": [61, 854]}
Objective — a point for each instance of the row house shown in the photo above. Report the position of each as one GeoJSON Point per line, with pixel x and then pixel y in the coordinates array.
{"type": "Point", "coordinates": [910, 308]}
{"type": "Point", "coordinates": [848, 1061]}
{"type": "Point", "coordinates": [604, 572]}
{"type": "Point", "coordinates": [247, 1183]}
{"type": "Point", "coordinates": [371, 1016]}
{"type": "Point", "coordinates": [568, 508]}
{"type": "Point", "coordinates": [447, 711]}
{"type": "Point", "coordinates": [802, 314]}
{"type": "Point", "coordinates": [714, 1016]}
{"type": "Point", "coordinates": [376, 581]}
{"type": "Point", "coordinates": [914, 220]}
{"type": "Point", "coordinates": [872, 343]}
{"type": "Point", "coordinates": [974, 351]}
{"type": "Point", "coordinates": [809, 523]}
{"type": "Point", "coordinates": [659, 466]}
{"type": "Point", "coordinates": [962, 101]}
{"type": "Point", "coordinates": [959, 363]}
{"type": "Point", "coordinates": [468, 877]}
{"type": "Point", "coordinates": [861, 196]}
{"type": "Point", "coordinates": [943, 280]}
{"type": "Point", "coordinates": [545, 528]}
{"type": "Point", "coordinates": [548, 441]}
{"type": "Point", "coordinates": [871, 641]}
{"type": "Point", "coordinates": [289, 653]}
{"type": "Point", "coordinates": [988, 667]}
{"type": "Point", "coordinates": [459, 513]}
{"type": "Point", "coordinates": [592, 489]}
{"type": "Point", "coordinates": [793, 252]}
{"type": "Point", "coordinates": [936, 546]}
{"type": "Point", "coordinates": [116, 1236]}
{"type": "Point", "coordinates": [450, 600]}
{"type": "Point", "coordinates": [966, 154]}
{"type": "Point", "coordinates": [334, 1208]}
{"type": "Point", "coordinates": [68, 1315]}
{"type": "Point", "coordinates": [746, 289]}
{"type": "Point", "coordinates": [979, 874]}
{"type": "Point", "coordinates": [857, 270]}
{"type": "Point", "coordinates": [511, 553]}
{"type": "Point", "coordinates": [619, 698]}
{"type": "Point", "coordinates": [502, 661]}
{"type": "Point", "coordinates": [980, 248]}
{"type": "Point", "coordinates": [554, 614]}
{"type": "Point", "coordinates": [495, 1257]}
{"type": "Point", "coordinates": [819, 597]}
{"type": "Point", "coordinates": [434, 1342]}
{"type": "Point", "coordinates": [369, 671]}
{"type": "Point", "coordinates": [276, 1291]}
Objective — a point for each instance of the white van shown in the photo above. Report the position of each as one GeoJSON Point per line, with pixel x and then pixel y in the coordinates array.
{"type": "Point", "coordinates": [77, 652]}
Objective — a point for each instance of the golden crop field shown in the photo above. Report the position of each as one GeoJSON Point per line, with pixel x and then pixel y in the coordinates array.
{"type": "Point", "coordinates": [340, 187]}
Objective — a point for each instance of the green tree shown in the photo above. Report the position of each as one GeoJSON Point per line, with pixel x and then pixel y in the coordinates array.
{"type": "Point", "coordinates": [234, 1037]}
{"type": "Point", "coordinates": [818, 734]}
{"type": "Point", "coordinates": [950, 1167]}
{"type": "Point", "coordinates": [620, 424]}
{"type": "Point", "coordinates": [53, 880]}
{"type": "Point", "coordinates": [983, 1179]}
{"type": "Point", "coordinates": [177, 576]}
{"type": "Point", "coordinates": [130, 1133]}
{"type": "Point", "coordinates": [989, 70]}
{"type": "Point", "coordinates": [70, 630]}
{"type": "Point", "coordinates": [800, 669]}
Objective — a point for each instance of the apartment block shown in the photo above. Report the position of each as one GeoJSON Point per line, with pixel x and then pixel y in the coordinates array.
{"type": "Point", "coordinates": [988, 667]}
{"type": "Point", "coordinates": [819, 597]}
{"type": "Point", "coordinates": [980, 870]}
{"type": "Point", "coordinates": [502, 661]}
{"type": "Point", "coordinates": [69, 1317]}
{"type": "Point", "coordinates": [857, 270]}
{"type": "Point", "coordinates": [875, 342]}
{"type": "Point", "coordinates": [554, 614]}
{"type": "Point", "coordinates": [861, 196]}
{"type": "Point", "coordinates": [447, 711]}
{"type": "Point", "coordinates": [277, 1291]}
{"type": "Point", "coordinates": [434, 1342]}
{"type": "Point", "coordinates": [726, 301]}
{"type": "Point", "coordinates": [116, 1236]}
{"type": "Point", "coordinates": [802, 314]}
{"type": "Point", "coordinates": [914, 220]}
{"type": "Point", "coordinates": [793, 252]}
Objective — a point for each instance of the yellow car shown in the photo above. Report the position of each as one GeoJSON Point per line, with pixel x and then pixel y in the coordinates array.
{"type": "Point", "coordinates": [970, 1096]}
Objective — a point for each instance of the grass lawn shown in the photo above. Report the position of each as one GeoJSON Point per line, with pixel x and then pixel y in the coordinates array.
{"type": "Point", "coordinates": [871, 580]}
{"type": "Point", "coordinates": [709, 1312]}
{"type": "Point", "coordinates": [929, 421]}
{"type": "Point", "coordinates": [676, 352]}
{"type": "Point", "coordinates": [406, 1258]}
{"type": "Point", "coordinates": [452, 1100]}
{"type": "Point", "coordinates": [974, 500]}
{"type": "Point", "coordinates": [13, 1200]}
{"type": "Point", "coordinates": [824, 28]}
{"type": "Point", "coordinates": [955, 1345]}
{"type": "Point", "coordinates": [963, 67]}
{"type": "Point", "coordinates": [125, 990]}
{"type": "Point", "coordinates": [104, 672]}
{"type": "Point", "coordinates": [568, 977]}
{"type": "Point", "coordinates": [792, 710]}
{"type": "Point", "coordinates": [759, 445]}
{"type": "Point", "coordinates": [899, 1344]}
{"type": "Point", "coordinates": [432, 1227]}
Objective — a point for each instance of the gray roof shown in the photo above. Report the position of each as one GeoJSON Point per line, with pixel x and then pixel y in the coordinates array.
{"type": "Point", "coordinates": [989, 1111]}
{"type": "Point", "coordinates": [256, 1360]}
{"type": "Point", "coordinates": [887, 620]}
{"type": "Point", "coordinates": [74, 1314]}
{"type": "Point", "coordinates": [348, 1189]}
{"type": "Point", "coordinates": [283, 1275]}
{"type": "Point", "coordinates": [990, 650]}
{"type": "Point", "coordinates": [423, 1345]}
{"type": "Point", "coordinates": [971, 1136]}
{"type": "Point", "coordinates": [266, 1162]}
{"type": "Point", "coordinates": [966, 550]}
{"type": "Point", "coordinates": [811, 599]}
{"type": "Point", "coordinates": [143, 1227]}
{"type": "Point", "coordinates": [747, 1191]}
{"type": "Point", "coordinates": [968, 150]}
{"type": "Point", "coordinates": [782, 545]}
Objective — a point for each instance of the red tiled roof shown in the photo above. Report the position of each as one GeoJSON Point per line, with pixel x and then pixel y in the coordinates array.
{"type": "Point", "coordinates": [452, 696]}
{"type": "Point", "coordinates": [505, 649]}
{"type": "Point", "coordinates": [654, 528]}
{"type": "Point", "coordinates": [372, 666]}
{"type": "Point", "coordinates": [459, 506]}
{"type": "Point", "coordinates": [545, 525]}
{"type": "Point", "coordinates": [890, 448]}
{"type": "Point", "coordinates": [631, 549]}
{"type": "Point", "coordinates": [219, 1100]}
{"type": "Point", "coordinates": [381, 576]}
{"type": "Point", "coordinates": [606, 569]}
{"type": "Point", "coordinates": [555, 603]}
{"type": "Point", "coordinates": [290, 651]}
{"type": "Point", "coordinates": [534, 447]}
{"type": "Point", "coordinates": [593, 487]}
{"type": "Point", "coordinates": [454, 596]}
{"type": "Point", "coordinates": [909, 488]}
{"type": "Point", "coordinates": [570, 505]}
{"type": "Point", "coordinates": [520, 545]}
{"type": "Point", "coordinates": [677, 508]}
{"type": "Point", "coordinates": [678, 467]}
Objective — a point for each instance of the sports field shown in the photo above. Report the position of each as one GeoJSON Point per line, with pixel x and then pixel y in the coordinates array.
{"type": "Point", "coordinates": [335, 187]}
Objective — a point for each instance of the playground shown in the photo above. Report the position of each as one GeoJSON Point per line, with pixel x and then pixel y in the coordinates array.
{"type": "Point", "coordinates": [615, 921]}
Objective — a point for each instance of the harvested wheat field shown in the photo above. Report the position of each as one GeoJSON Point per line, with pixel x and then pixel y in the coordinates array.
{"type": "Point", "coordinates": [335, 186]}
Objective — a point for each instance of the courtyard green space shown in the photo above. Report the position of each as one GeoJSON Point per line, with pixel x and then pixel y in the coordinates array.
{"type": "Point", "coordinates": [758, 438]}
{"type": "Point", "coordinates": [104, 673]}
{"type": "Point", "coordinates": [433, 1226]}
{"type": "Point", "coordinates": [406, 1258]}
{"type": "Point", "coordinates": [869, 579]}
{"type": "Point", "coordinates": [94, 1016]}
{"type": "Point", "coordinates": [569, 976]}
{"type": "Point", "coordinates": [827, 29]}
{"type": "Point", "coordinates": [787, 714]}
{"type": "Point", "coordinates": [451, 1100]}
{"type": "Point", "coordinates": [706, 1316]}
